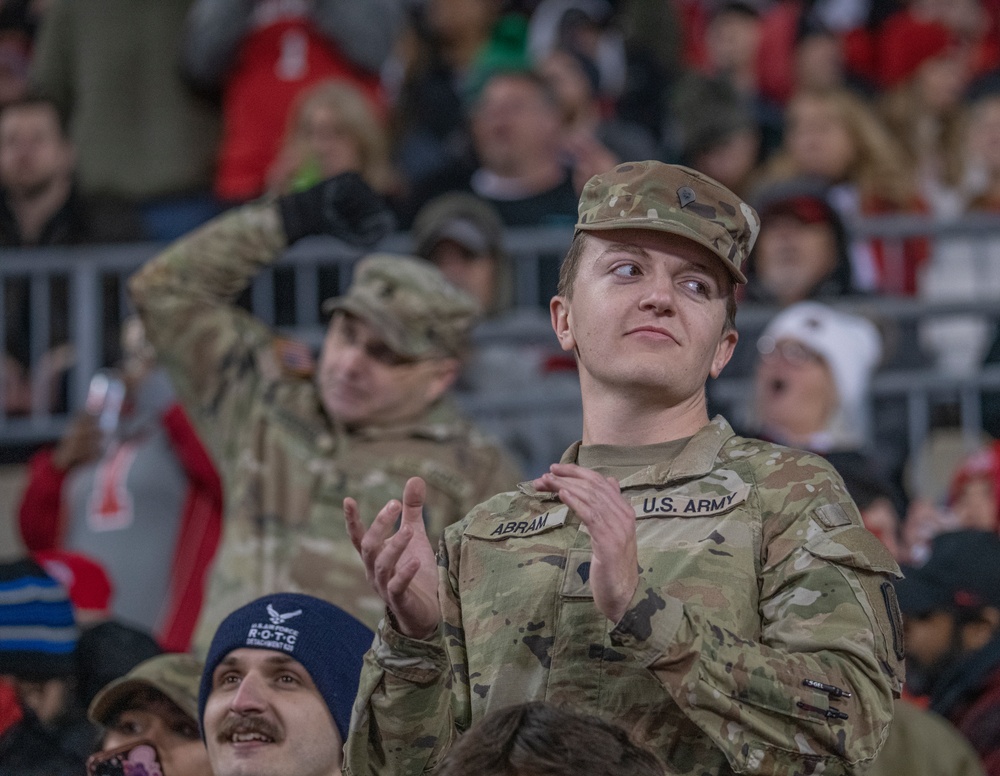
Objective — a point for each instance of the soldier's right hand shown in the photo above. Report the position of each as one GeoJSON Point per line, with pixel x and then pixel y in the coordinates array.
{"type": "Point", "coordinates": [400, 566]}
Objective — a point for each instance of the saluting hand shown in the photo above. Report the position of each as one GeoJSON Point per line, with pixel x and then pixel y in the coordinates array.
{"type": "Point", "coordinates": [400, 566]}
{"type": "Point", "coordinates": [610, 519]}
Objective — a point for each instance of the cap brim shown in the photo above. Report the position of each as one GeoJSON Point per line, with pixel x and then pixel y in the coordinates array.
{"type": "Point", "coordinates": [115, 693]}
{"type": "Point", "coordinates": [670, 227]}
{"type": "Point", "coordinates": [377, 319]}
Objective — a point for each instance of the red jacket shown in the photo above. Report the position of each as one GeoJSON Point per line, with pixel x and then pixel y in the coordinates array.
{"type": "Point", "coordinates": [42, 522]}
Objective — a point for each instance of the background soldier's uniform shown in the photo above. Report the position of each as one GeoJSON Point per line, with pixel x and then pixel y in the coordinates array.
{"type": "Point", "coordinates": [763, 636]}
{"type": "Point", "coordinates": [286, 465]}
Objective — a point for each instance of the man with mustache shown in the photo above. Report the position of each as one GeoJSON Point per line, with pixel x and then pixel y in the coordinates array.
{"type": "Point", "coordinates": [279, 680]}
{"type": "Point", "coordinates": [718, 596]}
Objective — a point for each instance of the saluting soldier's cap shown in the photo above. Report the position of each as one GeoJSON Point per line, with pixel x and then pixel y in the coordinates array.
{"type": "Point", "coordinates": [412, 306]}
{"type": "Point", "coordinates": [675, 199]}
{"type": "Point", "coordinates": [177, 676]}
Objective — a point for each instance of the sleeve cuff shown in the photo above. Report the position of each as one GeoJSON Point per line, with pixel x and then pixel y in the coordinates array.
{"type": "Point", "coordinates": [649, 625]}
{"type": "Point", "coordinates": [414, 660]}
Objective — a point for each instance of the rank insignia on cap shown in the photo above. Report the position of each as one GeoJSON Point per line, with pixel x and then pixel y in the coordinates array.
{"type": "Point", "coordinates": [686, 195]}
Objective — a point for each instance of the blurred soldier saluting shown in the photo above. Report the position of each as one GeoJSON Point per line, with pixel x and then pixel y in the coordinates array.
{"type": "Point", "coordinates": [291, 447]}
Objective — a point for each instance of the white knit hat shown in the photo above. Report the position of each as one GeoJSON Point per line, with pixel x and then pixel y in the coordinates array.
{"type": "Point", "coordinates": [850, 345]}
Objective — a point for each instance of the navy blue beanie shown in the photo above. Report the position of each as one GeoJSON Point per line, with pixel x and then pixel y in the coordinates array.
{"type": "Point", "coordinates": [327, 641]}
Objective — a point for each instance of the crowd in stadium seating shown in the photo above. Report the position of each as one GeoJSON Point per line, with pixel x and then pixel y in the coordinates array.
{"type": "Point", "coordinates": [125, 122]}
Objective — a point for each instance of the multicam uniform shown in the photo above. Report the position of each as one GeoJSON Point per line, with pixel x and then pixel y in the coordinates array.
{"type": "Point", "coordinates": [286, 466]}
{"type": "Point", "coordinates": [763, 636]}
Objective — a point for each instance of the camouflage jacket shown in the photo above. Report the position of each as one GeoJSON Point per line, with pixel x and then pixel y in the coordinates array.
{"type": "Point", "coordinates": [286, 466]}
{"type": "Point", "coordinates": [763, 637]}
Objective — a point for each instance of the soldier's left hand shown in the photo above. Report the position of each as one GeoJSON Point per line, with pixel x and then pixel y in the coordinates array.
{"type": "Point", "coordinates": [610, 519]}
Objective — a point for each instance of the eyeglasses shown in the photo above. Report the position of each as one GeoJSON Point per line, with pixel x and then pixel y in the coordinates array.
{"type": "Point", "coordinates": [789, 350]}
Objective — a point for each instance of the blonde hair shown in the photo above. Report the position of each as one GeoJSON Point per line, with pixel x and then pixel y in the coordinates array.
{"type": "Point", "coordinates": [903, 112]}
{"type": "Point", "coordinates": [357, 114]}
{"type": "Point", "coordinates": [879, 168]}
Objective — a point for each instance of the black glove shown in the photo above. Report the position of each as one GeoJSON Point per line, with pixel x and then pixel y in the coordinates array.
{"type": "Point", "coordinates": [343, 206]}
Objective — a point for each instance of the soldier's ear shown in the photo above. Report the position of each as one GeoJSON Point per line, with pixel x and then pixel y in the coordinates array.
{"type": "Point", "coordinates": [562, 322]}
{"type": "Point", "coordinates": [724, 351]}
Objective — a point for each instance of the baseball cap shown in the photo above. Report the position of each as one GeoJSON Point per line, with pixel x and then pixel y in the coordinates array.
{"type": "Point", "coordinates": [803, 198]}
{"type": "Point", "coordinates": [963, 570]}
{"type": "Point", "coordinates": [410, 304]}
{"type": "Point", "coordinates": [463, 218]}
{"type": "Point", "coordinates": [177, 676]}
{"type": "Point", "coordinates": [675, 199]}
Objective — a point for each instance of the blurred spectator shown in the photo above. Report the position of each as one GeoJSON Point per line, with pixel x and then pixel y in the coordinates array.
{"type": "Point", "coordinates": [516, 352]}
{"type": "Point", "coordinates": [332, 128]}
{"type": "Point", "coordinates": [838, 138]}
{"type": "Point", "coordinates": [40, 205]}
{"type": "Point", "coordinates": [972, 502]}
{"type": "Point", "coordinates": [713, 130]}
{"type": "Point", "coordinates": [922, 743]}
{"type": "Point", "coordinates": [587, 27]}
{"type": "Point", "coordinates": [430, 79]}
{"type": "Point", "coordinates": [812, 391]}
{"type": "Point", "coordinates": [37, 653]}
{"type": "Point", "coordinates": [967, 270]}
{"type": "Point", "coordinates": [732, 39]}
{"type": "Point", "coordinates": [518, 137]}
{"type": "Point", "coordinates": [951, 611]}
{"type": "Point", "coordinates": [142, 134]}
{"type": "Point", "coordinates": [157, 701]}
{"type": "Point", "coordinates": [285, 669]}
{"type": "Point", "coordinates": [18, 22]}
{"type": "Point", "coordinates": [802, 250]}
{"type": "Point", "coordinates": [541, 738]}
{"type": "Point", "coordinates": [142, 497]}
{"type": "Point", "coordinates": [596, 143]}
{"type": "Point", "coordinates": [108, 650]}
{"type": "Point", "coordinates": [923, 107]}
{"type": "Point", "coordinates": [290, 444]}
{"type": "Point", "coordinates": [262, 54]}
{"type": "Point", "coordinates": [973, 496]}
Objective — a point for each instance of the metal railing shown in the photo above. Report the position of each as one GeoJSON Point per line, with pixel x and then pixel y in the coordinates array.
{"type": "Point", "coordinates": [96, 300]}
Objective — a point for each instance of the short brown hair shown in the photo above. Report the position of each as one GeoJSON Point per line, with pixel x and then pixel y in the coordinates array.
{"type": "Point", "coordinates": [571, 265]}
{"type": "Point", "coordinates": [539, 738]}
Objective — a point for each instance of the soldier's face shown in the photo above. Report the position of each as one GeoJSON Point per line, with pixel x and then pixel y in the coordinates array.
{"type": "Point", "coordinates": [363, 382]}
{"type": "Point", "coordinates": [646, 316]}
{"type": "Point", "coordinates": [265, 717]}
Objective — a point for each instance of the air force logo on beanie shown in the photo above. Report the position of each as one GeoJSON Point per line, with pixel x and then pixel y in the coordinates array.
{"type": "Point", "coordinates": [328, 642]}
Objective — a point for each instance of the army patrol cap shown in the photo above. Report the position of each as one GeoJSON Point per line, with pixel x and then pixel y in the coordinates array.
{"type": "Point", "coordinates": [410, 304]}
{"type": "Point", "coordinates": [675, 199]}
{"type": "Point", "coordinates": [176, 676]}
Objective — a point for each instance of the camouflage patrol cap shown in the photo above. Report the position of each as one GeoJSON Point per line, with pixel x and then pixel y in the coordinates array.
{"type": "Point", "coordinates": [176, 676]}
{"type": "Point", "coordinates": [410, 304]}
{"type": "Point", "coordinates": [675, 199]}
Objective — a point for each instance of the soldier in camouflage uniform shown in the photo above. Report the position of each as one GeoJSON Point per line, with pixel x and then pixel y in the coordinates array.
{"type": "Point", "coordinates": [290, 447]}
{"type": "Point", "coordinates": [717, 596]}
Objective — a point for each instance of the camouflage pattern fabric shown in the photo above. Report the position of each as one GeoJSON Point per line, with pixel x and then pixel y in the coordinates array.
{"type": "Point", "coordinates": [763, 637]}
{"type": "Point", "coordinates": [286, 466]}
{"type": "Point", "coordinates": [675, 199]}
{"type": "Point", "coordinates": [177, 676]}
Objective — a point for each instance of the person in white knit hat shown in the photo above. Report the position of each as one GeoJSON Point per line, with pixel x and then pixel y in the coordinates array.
{"type": "Point", "coordinates": [813, 375]}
